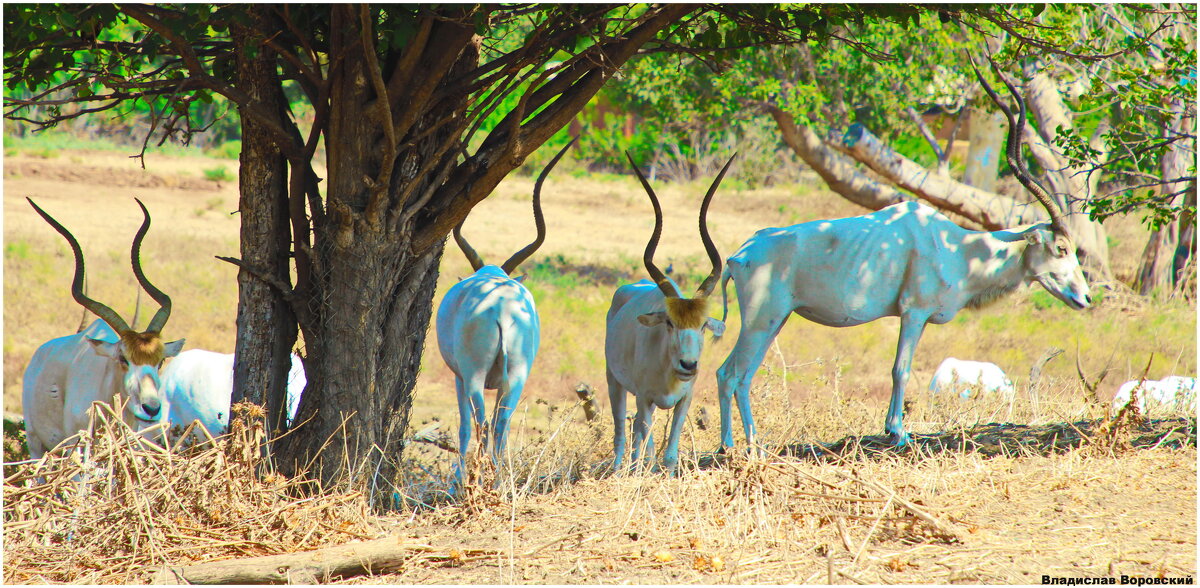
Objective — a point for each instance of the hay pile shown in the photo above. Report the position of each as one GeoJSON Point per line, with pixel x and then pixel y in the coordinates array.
{"type": "Point", "coordinates": [111, 507]}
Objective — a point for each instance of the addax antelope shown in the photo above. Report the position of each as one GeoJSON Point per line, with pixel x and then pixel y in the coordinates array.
{"type": "Point", "coordinates": [963, 377]}
{"type": "Point", "coordinates": [653, 341]}
{"type": "Point", "coordinates": [106, 360]}
{"type": "Point", "coordinates": [488, 332]}
{"type": "Point", "coordinates": [198, 384]}
{"type": "Point", "coordinates": [1170, 394]}
{"type": "Point", "coordinates": [906, 260]}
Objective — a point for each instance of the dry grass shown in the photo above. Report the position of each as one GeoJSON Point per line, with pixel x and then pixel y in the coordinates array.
{"type": "Point", "coordinates": [109, 507]}
{"type": "Point", "coordinates": [556, 515]}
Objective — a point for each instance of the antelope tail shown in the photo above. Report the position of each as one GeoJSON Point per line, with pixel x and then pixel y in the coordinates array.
{"type": "Point", "coordinates": [502, 379]}
{"type": "Point", "coordinates": [725, 275]}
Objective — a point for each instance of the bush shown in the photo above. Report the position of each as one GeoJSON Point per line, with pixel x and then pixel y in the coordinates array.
{"type": "Point", "coordinates": [218, 174]}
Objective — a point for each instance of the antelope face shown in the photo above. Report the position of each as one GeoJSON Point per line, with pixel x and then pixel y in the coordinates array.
{"type": "Point", "coordinates": [1050, 259]}
{"type": "Point", "coordinates": [685, 320]}
{"type": "Point", "coordinates": [138, 357]}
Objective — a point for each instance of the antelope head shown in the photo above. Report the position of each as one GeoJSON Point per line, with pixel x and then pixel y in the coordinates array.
{"type": "Point", "coordinates": [519, 257]}
{"type": "Point", "coordinates": [684, 318]}
{"type": "Point", "coordinates": [1050, 257]}
{"type": "Point", "coordinates": [137, 355]}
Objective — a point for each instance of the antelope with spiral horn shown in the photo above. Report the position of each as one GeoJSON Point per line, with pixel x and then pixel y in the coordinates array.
{"type": "Point", "coordinates": [488, 332]}
{"type": "Point", "coordinates": [106, 360]}
{"type": "Point", "coordinates": [905, 260]}
{"type": "Point", "coordinates": [653, 341]}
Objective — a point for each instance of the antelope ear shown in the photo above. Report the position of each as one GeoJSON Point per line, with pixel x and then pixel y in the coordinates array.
{"type": "Point", "coordinates": [103, 348]}
{"type": "Point", "coordinates": [652, 318]}
{"type": "Point", "coordinates": [1034, 237]}
{"type": "Point", "coordinates": [173, 348]}
{"type": "Point", "coordinates": [715, 326]}
{"type": "Point", "coordinates": [520, 279]}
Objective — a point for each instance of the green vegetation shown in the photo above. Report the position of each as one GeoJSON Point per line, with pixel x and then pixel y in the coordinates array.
{"type": "Point", "coordinates": [226, 150]}
{"type": "Point", "coordinates": [218, 174]}
{"type": "Point", "coordinates": [47, 143]}
{"type": "Point", "coordinates": [16, 250]}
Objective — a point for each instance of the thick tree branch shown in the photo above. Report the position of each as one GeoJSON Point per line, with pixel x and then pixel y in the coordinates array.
{"type": "Point", "coordinates": [838, 171]}
{"type": "Point", "coordinates": [986, 209]}
{"type": "Point", "coordinates": [476, 177]}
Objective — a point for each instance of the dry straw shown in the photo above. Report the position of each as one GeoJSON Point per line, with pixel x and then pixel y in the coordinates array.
{"type": "Point", "coordinates": [111, 507]}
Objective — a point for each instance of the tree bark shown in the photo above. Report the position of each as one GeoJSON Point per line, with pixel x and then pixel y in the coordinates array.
{"type": "Point", "coordinates": [986, 210]}
{"type": "Point", "coordinates": [371, 295]}
{"type": "Point", "coordinates": [986, 149]}
{"type": "Point", "coordinates": [266, 329]}
{"type": "Point", "coordinates": [1169, 248]}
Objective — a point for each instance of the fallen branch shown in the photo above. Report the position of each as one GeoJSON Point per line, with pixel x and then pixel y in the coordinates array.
{"type": "Point", "coordinates": [307, 567]}
{"type": "Point", "coordinates": [944, 530]}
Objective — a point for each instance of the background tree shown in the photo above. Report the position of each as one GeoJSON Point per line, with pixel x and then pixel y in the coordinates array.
{"type": "Point", "coordinates": [1150, 95]}
{"type": "Point", "coordinates": [850, 113]}
{"type": "Point", "coordinates": [421, 111]}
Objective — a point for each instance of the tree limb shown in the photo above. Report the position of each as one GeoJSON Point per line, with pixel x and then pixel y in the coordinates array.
{"type": "Point", "coordinates": [839, 173]}
{"type": "Point", "coordinates": [307, 567]}
{"type": "Point", "coordinates": [986, 209]}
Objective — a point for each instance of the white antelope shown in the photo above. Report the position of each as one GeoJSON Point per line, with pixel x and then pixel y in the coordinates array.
{"type": "Point", "coordinates": [962, 377]}
{"type": "Point", "coordinates": [488, 332]}
{"type": "Point", "coordinates": [653, 341]}
{"type": "Point", "coordinates": [106, 360]}
{"type": "Point", "coordinates": [198, 385]}
{"type": "Point", "coordinates": [906, 260]}
{"type": "Point", "coordinates": [1170, 394]}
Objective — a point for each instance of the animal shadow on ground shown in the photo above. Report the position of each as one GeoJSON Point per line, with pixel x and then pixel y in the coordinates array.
{"type": "Point", "coordinates": [1115, 436]}
{"type": "Point", "coordinates": [997, 439]}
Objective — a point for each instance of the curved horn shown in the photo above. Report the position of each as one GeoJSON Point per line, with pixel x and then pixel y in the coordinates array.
{"type": "Point", "coordinates": [706, 287]}
{"type": "Point", "coordinates": [109, 315]}
{"type": "Point", "coordinates": [664, 284]}
{"type": "Point", "coordinates": [468, 251]}
{"type": "Point", "coordinates": [164, 302]}
{"type": "Point", "coordinates": [1013, 150]}
{"type": "Point", "coordinates": [519, 257]}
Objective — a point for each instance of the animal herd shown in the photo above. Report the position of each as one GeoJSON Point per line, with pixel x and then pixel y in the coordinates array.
{"type": "Point", "coordinates": [906, 260]}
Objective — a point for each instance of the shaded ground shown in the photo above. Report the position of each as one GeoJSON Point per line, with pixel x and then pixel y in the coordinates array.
{"type": "Point", "coordinates": [1008, 439]}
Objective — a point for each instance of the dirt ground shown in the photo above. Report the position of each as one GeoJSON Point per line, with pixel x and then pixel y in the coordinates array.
{"type": "Point", "coordinates": [1034, 504]}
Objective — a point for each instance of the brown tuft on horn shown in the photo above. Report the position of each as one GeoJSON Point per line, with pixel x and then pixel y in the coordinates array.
{"type": "Point", "coordinates": [668, 288]}
{"type": "Point", "coordinates": [519, 257]}
{"type": "Point", "coordinates": [706, 287]}
{"type": "Point", "coordinates": [164, 302]}
{"type": "Point", "coordinates": [470, 253]}
{"type": "Point", "coordinates": [109, 316]}
{"type": "Point", "coordinates": [1013, 150]}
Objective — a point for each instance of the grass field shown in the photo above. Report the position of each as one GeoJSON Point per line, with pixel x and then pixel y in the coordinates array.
{"type": "Point", "coordinates": [1087, 512]}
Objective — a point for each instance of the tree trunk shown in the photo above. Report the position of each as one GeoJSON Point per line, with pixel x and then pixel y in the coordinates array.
{"type": "Point", "coordinates": [266, 329]}
{"type": "Point", "coordinates": [986, 210]}
{"type": "Point", "coordinates": [364, 357]}
{"type": "Point", "coordinates": [986, 149]}
{"type": "Point", "coordinates": [1167, 250]}
{"type": "Point", "coordinates": [1070, 186]}
{"type": "Point", "coordinates": [399, 179]}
